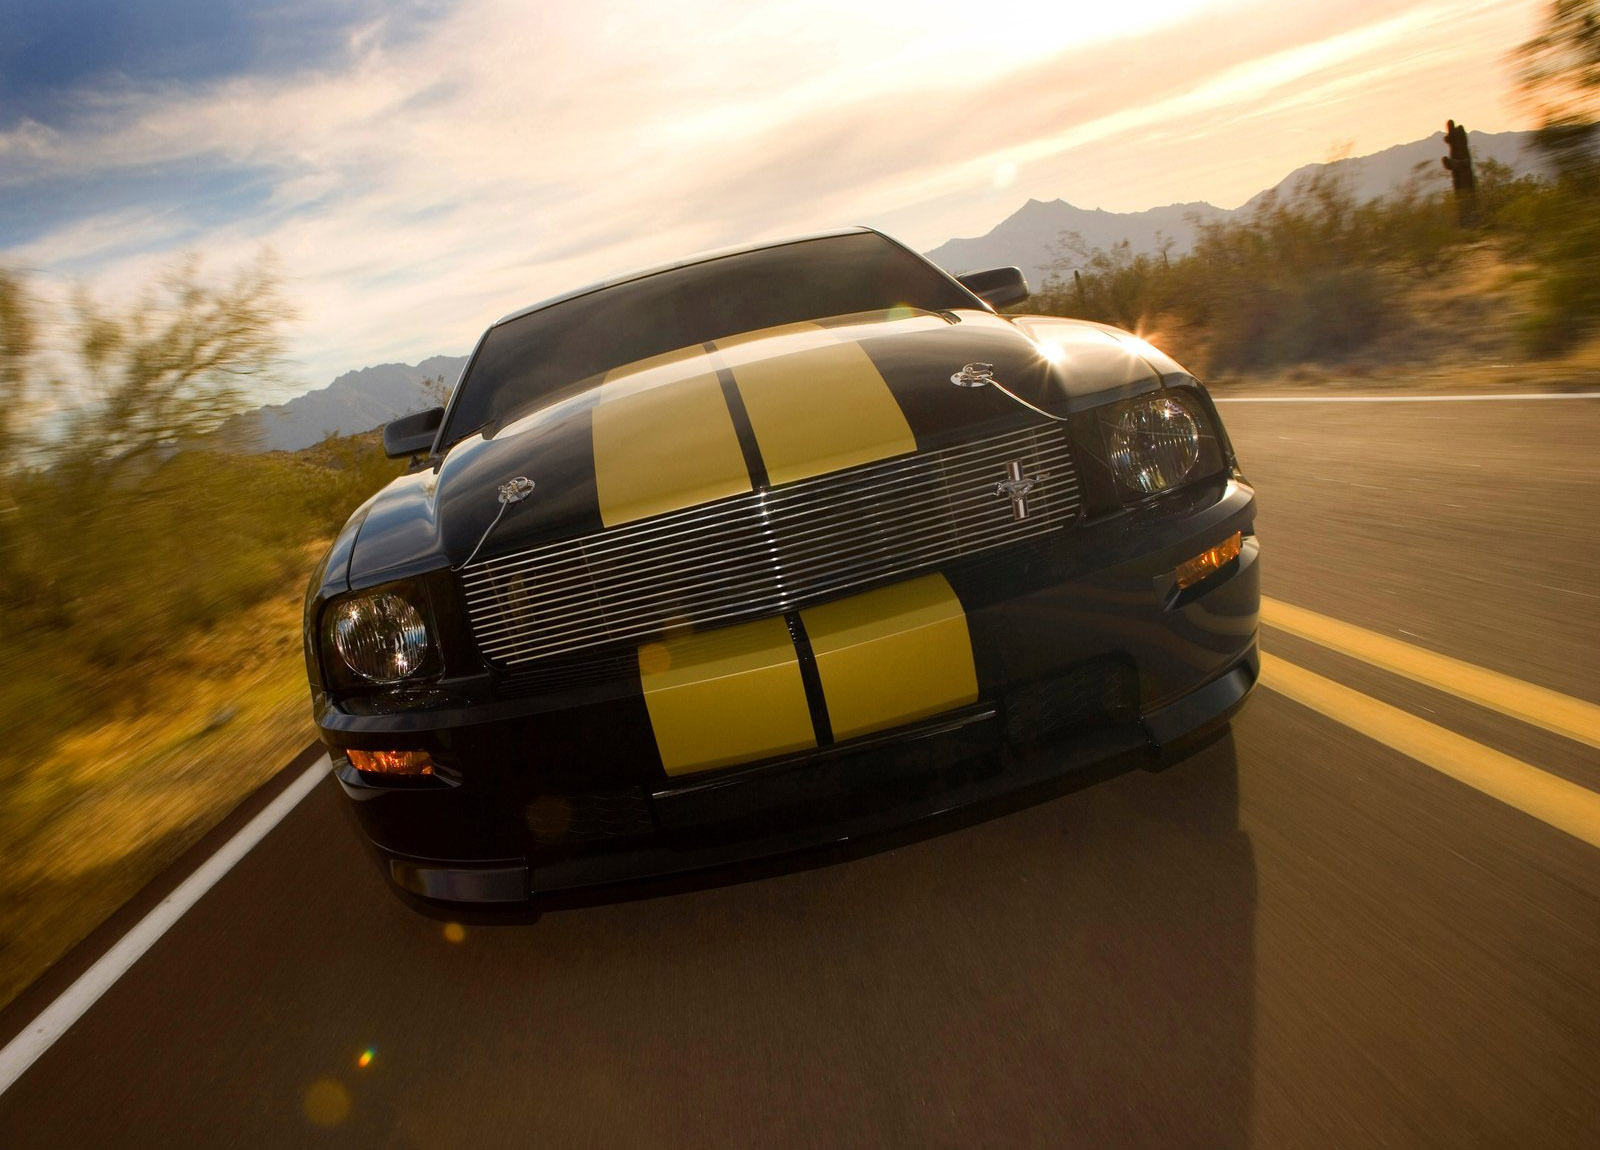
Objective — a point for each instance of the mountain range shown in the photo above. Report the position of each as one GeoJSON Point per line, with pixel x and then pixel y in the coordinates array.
{"type": "Point", "coordinates": [355, 402]}
{"type": "Point", "coordinates": [1034, 238]}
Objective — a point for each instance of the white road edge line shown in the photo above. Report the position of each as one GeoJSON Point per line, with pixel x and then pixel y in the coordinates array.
{"type": "Point", "coordinates": [1404, 398]}
{"type": "Point", "coordinates": [40, 1034]}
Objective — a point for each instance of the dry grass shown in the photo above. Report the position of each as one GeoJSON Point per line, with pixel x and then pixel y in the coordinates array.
{"type": "Point", "coordinates": [109, 807]}
{"type": "Point", "coordinates": [1579, 371]}
{"type": "Point", "coordinates": [1459, 335]}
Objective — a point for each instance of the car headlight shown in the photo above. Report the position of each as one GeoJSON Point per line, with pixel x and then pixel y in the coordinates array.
{"type": "Point", "coordinates": [1154, 443]}
{"type": "Point", "coordinates": [381, 636]}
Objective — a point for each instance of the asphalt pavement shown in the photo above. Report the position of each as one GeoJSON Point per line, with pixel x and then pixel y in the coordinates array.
{"type": "Point", "coordinates": [1305, 935]}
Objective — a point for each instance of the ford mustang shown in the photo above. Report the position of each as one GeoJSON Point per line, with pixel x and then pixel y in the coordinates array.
{"type": "Point", "coordinates": [766, 549]}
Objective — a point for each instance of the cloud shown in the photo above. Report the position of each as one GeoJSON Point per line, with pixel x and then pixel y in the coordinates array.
{"type": "Point", "coordinates": [415, 186]}
{"type": "Point", "coordinates": [53, 50]}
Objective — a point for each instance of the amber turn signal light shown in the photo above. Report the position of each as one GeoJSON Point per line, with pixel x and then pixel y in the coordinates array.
{"type": "Point", "coordinates": [392, 762]}
{"type": "Point", "coordinates": [1212, 559]}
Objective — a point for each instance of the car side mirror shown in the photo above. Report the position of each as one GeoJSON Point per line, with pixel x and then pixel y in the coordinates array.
{"type": "Point", "coordinates": [412, 434]}
{"type": "Point", "coordinates": [997, 286]}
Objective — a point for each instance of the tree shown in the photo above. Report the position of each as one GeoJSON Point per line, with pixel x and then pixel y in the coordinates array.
{"type": "Point", "coordinates": [168, 369]}
{"type": "Point", "coordinates": [1559, 74]}
{"type": "Point", "coordinates": [436, 390]}
{"type": "Point", "coordinates": [125, 385]}
{"type": "Point", "coordinates": [16, 353]}
{"type": "Point", "coordinates": [16, 350]}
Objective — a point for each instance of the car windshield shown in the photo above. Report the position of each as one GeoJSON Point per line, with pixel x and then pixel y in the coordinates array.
{"type": "Point", "coordinates": [537, 356]}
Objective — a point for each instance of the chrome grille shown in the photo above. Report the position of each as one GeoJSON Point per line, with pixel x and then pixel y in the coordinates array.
{"type": "Point", "coordinates": [766, 552]}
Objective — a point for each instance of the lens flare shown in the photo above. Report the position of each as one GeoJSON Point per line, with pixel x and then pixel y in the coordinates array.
{"type": "Point", "coordinates": [654, 658]}
{"type": "Point", "coordinates": [327, 1102]}
{"type": "Point", "coordinates": [366, 1057]}
{"type": "Point", "coordinates": [454, 932]}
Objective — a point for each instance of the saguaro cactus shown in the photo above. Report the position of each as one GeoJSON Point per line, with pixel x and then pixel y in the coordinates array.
{"type": "Point", "coordinates": [1459, 164]}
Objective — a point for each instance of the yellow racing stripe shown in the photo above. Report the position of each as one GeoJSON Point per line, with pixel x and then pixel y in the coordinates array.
{"type": "Point", "coordinates": [816, 402]}
{"type": "Point", "coordinates": [728, 696]}
{"type": "Point", "coordinates": [892, 656]}
{"type": "Point", "coordinates": [663, 439]}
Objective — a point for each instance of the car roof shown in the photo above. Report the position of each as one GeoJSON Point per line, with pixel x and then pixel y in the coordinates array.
{"type": "Point", "coordinates": [702, 257]}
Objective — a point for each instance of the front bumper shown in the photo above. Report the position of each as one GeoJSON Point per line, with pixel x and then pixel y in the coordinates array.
{"type": "Point", "coordinates": [1110, 659]}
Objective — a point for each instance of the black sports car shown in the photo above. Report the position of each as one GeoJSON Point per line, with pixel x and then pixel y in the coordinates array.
{"type": "Point", "coordinates": [765, 549]}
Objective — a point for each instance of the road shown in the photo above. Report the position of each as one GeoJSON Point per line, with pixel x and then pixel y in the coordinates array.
{"type": "Point", "coordinates": [1302, 936]}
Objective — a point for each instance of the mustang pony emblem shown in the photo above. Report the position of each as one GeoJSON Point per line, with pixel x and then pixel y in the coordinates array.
{"type": "Point", "coordinates": [974, 375]}
{"type": "Point", "coordinates": [1016, 485]}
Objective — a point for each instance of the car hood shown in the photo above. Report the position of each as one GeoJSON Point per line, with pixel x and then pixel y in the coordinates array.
{"type": "Point", "coordinates": [748, 412]}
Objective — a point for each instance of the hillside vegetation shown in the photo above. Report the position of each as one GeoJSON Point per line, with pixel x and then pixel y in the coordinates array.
{"type": "Point", "coordinates": [1315, 277]}
{"type": "Point", "coordinates": [150, 668]}
{"type": "Point", "coordinates": [104, 577]}
{"type": "Point", "coordinates": [150, 665]}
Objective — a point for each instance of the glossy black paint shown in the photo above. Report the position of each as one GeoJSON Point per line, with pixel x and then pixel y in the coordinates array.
{"type": "Point", "coordinates": [412, 434]}
{"type": "Point", "coordinates": [1104, 593]}
{"type": "Point", "coordinates": [1097, 599]}
{"type": "Point", "coordinates": [997, 287]}
{"type": "Point", "coordinates": [434, 518]}
{"type": "Point", "coordinates": [539, 356]}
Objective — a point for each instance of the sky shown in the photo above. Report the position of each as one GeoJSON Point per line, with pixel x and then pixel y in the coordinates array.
{"type": "Point", "coordinates": [417, 168]}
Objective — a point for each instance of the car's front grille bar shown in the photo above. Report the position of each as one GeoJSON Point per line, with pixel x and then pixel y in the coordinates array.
{"type": "Point", "coordinates": [770, 551]}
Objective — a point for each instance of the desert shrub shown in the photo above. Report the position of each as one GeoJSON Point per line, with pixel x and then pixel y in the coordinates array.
{"type": "Point", "coordinates": [1565, 244]}
{"type": "Point", "coordinates": [1315, 277]}
{"type": "Point", "coordinates": [125, 528]}
{"type": "Point", "coordinates": [109, 579]}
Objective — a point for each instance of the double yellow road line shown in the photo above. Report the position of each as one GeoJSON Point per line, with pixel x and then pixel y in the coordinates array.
{"type": "Point", "coordinates": [1552, 800]}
